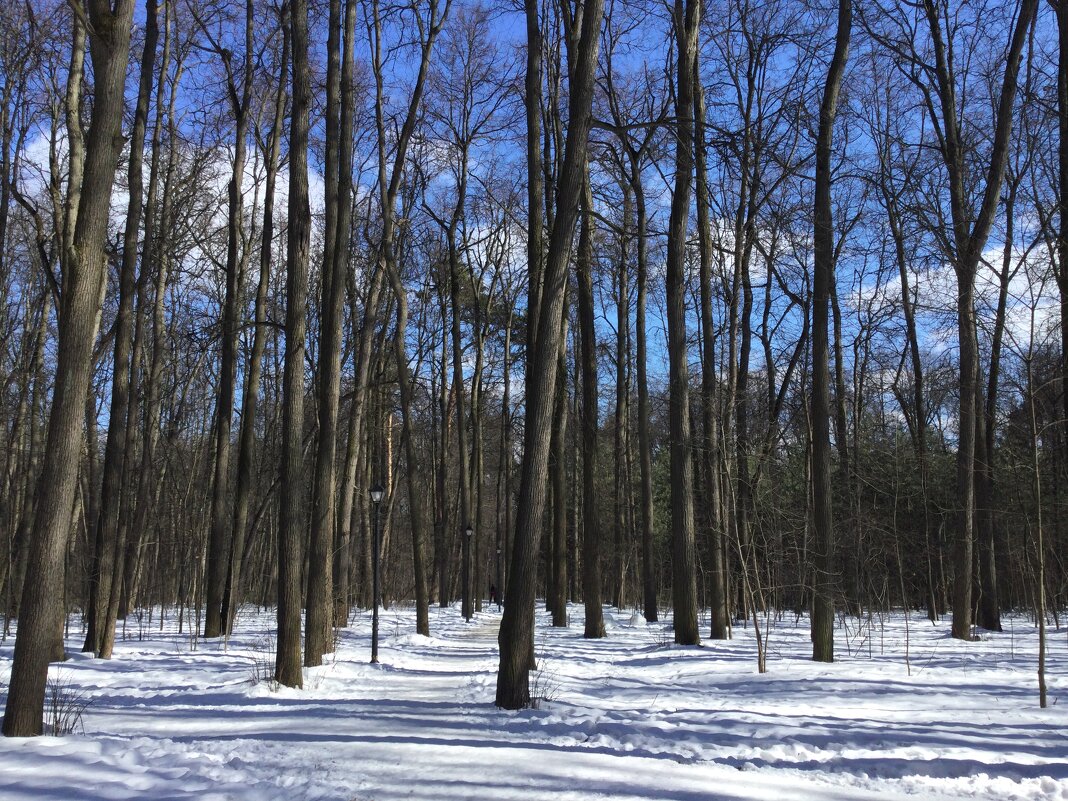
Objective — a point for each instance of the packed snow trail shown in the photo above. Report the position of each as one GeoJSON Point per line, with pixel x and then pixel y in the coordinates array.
{"type": "Point", "coordinates": [631, 717]}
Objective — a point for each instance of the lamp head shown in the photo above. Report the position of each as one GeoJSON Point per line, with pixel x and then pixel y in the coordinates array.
{"type": "Point", "coordinates": [377, 493]}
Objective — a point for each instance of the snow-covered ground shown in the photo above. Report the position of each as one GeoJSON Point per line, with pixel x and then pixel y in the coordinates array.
{"type": "Point", "coordinates": [628, 717]}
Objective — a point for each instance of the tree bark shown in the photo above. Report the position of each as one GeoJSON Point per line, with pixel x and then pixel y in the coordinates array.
{"type": "Point", "coordinates": [591, 526]}
{"type": "Point", "coordinates": [291, 496]}
{"type": "Point", "coordinates": [969, 236]}
{"type": "Point", "coordinates": [684, 579]}
{"type": "Point", "coordinates": [717, 584]}
{"type": "Point", "coordinates": [516, 633]}
{"type": "Point", "coordinates": [822, 283]}
{"type": "Point", "coordinates": [221, 521]}
{"type": "Point", "coordinates": [250, 399]}
{"type": "Point", "coordinates": [107, 555]}
{"type": "Point", "coordinates": [85, 270]}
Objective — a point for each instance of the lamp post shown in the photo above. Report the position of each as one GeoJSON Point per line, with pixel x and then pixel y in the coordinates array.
{"type": "Point", "coordinates": [468, 533]}
{"type": "Point", "coordinates": [500, 586]}
{"type": "Point", "coordinates": [376, 499]}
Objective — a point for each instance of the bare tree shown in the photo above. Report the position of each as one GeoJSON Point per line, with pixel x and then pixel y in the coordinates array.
{"type": "Point", "coordinates": [686, 17]}
{"type": "Point", "coordinates": [84, 272]}
{"type": "Point", "coordinates": [516, 634]}
{"type": "Point", "coordinates": [823, 278]}
{"type": "Point", "coordinates": [107, 565]}
{"type": "Point", "coordinates": [287, 669]}
{"type": "Point", "coordinates": [970, 230]}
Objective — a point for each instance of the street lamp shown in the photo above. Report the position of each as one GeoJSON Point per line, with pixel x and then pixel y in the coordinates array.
{"type": "Point", "coordinates": [500, 586]}
{"type": "Point", "coordinates": [468, 533]}
{"type": "Point", "coordinates": [376, 498]}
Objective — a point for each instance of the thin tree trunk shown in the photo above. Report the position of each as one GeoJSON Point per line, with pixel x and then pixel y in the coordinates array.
{"type": "Point", "coordinates": [645, 460]}
{"type": "Point", "coordinates": [591, 526]}
{"type": "Point", "coordinates": [221, 521]}
{"type": "Point", "coordinates": [717, 585]}
{"type": "Point", "coordinates": [556, 574]}
{"type": "Point", "coordinates": [389, 186]}
{"type": "Point", "coordinates": [250, 400]}
{"type": "Point", "coordinates": [1061, 9]}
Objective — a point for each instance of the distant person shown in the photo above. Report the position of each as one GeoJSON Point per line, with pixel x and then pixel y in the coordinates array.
{"type": "Point", "coordinates": [494, 597]}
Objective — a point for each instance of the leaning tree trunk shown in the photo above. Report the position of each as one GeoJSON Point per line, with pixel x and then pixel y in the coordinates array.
{"type": "Point", "coordinates": [354, 451]}
{"type": "Point", "coordinates": [389, 187]}
{"type": "Point", "coordinates": [85, 271]}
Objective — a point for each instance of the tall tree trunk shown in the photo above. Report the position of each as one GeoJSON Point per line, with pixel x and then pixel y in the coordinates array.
{"type": "Point", "coordinates": [155, 253]}
{"type": "Point", "coordinates": [250, 399]}
{"type": "Point", "coordinates": [969, 236]}
{"type": "Point", "coordinates": [556, 574]}
{"type": "Point", "coordinates": [621, 424]}
{"type": "Point", "coordinates": [1061, 9]}
{"type": "Point", "coordinates": [822, 283]}
{"type": "Point", "coordinates": [318, 636]}
{"type": "Point", "coordinates": [591, 526]}
{"type": "Point", "coordinates": [107, 555]}
{"type": "Point", "coordinates": [687, 15]}
{"type": "Point", "coordinates": [466, 474]}
{"type": "Point", "coordinates": [504, 538]}
{"type": "Point", "coordinates": [85, 271]}
{"type": "Point", "coordinates": [291, 497]}
{"type": "Point", "coordinates": [221, 521]}
{"type": "Point", "coordinates": [517, 625]}
{"type": "Point", "coordinates": [717, 584]}
{"type": "Point", "coordinates": [645, 459]}
{"type": "Point", "coordinates": [988, 608]}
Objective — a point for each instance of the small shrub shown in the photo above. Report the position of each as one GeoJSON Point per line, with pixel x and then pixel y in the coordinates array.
{"type": "Point", "coordinates": [64, 706]}
{"type": "Point", "coordinates": [263, 659]}
{"type": "Point", "coordinates": [544, 686]}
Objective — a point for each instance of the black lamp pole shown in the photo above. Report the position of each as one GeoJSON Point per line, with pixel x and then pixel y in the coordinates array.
{"type": "Point", "coordinates": [468, 533]}
{"type": "Point", "coordinates": [376, 499]}
{"type": "Point", "coordinates": [500, 586]}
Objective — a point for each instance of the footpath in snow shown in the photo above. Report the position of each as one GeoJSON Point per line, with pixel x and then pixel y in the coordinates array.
{"type": "Point", "coordinates": [629, 717]}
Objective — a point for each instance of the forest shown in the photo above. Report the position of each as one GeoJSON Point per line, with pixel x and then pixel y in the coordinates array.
{"type": "Point", "coordinates": [716, 311]}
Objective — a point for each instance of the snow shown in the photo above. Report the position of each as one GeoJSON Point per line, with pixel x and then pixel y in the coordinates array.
{"type": "Point", "coordinates": [629, 717]}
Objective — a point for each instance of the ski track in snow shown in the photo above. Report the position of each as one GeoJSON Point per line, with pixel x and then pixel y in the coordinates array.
{"type": "Point", "coordinates": [630, 717]}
